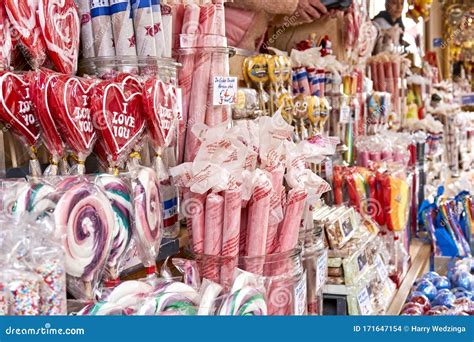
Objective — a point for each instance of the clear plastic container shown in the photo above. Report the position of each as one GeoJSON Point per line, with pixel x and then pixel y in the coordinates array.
{"type": "Point", "coordinates": [282, 273]}
{"type": "Point", "coordinates": [109, 67]}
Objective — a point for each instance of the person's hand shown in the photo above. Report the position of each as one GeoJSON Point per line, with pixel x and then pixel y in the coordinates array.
{"type": "Point", "coordinates": [308, 10]}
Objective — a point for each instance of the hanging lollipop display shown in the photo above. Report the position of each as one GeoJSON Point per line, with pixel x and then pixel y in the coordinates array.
{"type": "Point", "coordinates": [85, 217]}
{"type": "Point", "coordinates": [16, 110]}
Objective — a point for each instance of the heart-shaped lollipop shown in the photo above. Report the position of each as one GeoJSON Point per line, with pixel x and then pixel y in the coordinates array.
{"type": "Point", "coordinates": [160, 111]}
{"type": "Point", "coordinates": [129, 81]}
{"type": "Point", "coordinates": [61, 27]}
{"type": "Point", "coordinates": [22, 15]}
{"type": "Point", "coordinates": [42, 85]}
{"type": "Point", "coordinates": [73, 97]}
{"type": "Point", "coordinates": [16, 109]}
{"type": "Point", "coordinates": [119, 109]}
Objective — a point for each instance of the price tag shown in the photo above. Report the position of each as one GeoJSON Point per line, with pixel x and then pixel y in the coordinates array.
{"type": "Point", "coordinates": [300, 296]}
{"type": "Point", "coordinates": [321, 270]}
{"type": "Point", "coordinates": [381, 269]}
{"type": "Point", "coordinates": [362, 261]}
{"type": "Point", "coordinates": [363, 298]}
{"type": "Point", "coordinates": [179, 103]}
{"type": "Point", "coordinates": [225, 90]}
{"type": "Point", "coordinates": [345, 115]}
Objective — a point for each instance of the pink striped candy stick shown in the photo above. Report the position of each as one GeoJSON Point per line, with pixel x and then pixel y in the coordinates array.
{"type": "Point", "coordinates": [231, 234]}
{"type": "Point", "coordinates": [257, 224]}
{"type": "Point", "coordinates": [195, 209]}
{"type": "Point", "coordinates": [213, 236]}
{"type": "Point", "coordinates": [243, 231]}
{"type": "Point", "coordinates": [189, 26]}
{"type": "Point", "coordinates": [380, 76]}
{"type": "Point", "coordinates": [177, 14]}
{"type": "Point", "coordinates": [290, 226]}
{"type": "Point", "coordinates": [374, 74]}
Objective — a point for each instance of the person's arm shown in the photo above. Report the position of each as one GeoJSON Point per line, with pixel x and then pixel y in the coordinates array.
{"type": "Point", "coordinates": [285, 7]}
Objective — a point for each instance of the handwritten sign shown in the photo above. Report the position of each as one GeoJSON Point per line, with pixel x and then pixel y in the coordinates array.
{"type": "Point", "coordinates": [225, 90]}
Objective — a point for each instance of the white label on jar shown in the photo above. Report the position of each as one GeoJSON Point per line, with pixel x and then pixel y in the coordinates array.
{"type": "Point", "coordinates": [179, 103]}
{"type": "Point", "coordinates": [225, 90]}
{"type": "Point", "coordinates": [363, 298]}
{"type": "Point", "coordinates": [300, 296]}
{"type": "Point", "coordinates": [321, 270]}
{"type": "Point", "coordinates": [345, 115]}
{"type": "Point", "coordinates": [381, 269]}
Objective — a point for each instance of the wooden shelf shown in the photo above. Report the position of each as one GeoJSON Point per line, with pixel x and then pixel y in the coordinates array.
{"type": "Point", "coordinates": [420, 256]}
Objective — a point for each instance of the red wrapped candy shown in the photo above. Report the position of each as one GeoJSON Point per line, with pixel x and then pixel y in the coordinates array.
{"type": "Point", "coordinates": [61, 28]}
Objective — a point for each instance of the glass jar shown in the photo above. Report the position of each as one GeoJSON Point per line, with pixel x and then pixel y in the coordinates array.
{"type": "Point", "coordinates": [282, 274]}
{"type": "Point", "coordinates": [285, 280]}
{"type": "Point", "coordinates": [315, 264]}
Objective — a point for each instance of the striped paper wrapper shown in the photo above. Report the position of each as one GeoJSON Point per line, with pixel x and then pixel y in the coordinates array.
{"type": "Point", "coordinates": [144, 28]}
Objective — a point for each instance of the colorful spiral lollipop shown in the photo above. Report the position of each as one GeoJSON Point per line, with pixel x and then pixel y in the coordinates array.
{"type": "Point", "coordinates": [119, 195]}
{"type": "Point", "coordinates": [30, 196]}
{"type": "Point", "coordinates": [244, 299]}
{"type": "Point", "coordinates": [86, 218]}
{"type": "Point", "coordinates": [148, 213]}
{"type": "Point", "coordinates": [103, 309]}
{"type": "Point", "coordinates": [175, 298]}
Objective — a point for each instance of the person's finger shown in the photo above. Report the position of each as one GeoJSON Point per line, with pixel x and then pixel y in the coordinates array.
{"type": "Point", "coordinates": [303, 16]}
{"type": "Point", "coordinates": [319, 6]}
{"type": "Point", "coordinates": [312, 12]}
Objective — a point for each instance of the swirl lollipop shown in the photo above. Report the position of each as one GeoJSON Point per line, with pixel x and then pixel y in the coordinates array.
{"type": "Point", "coordinates": [30, 199]}
{"type": "Point", "coordinates": [86, 218]}
{"type": "Point", "coordinates": [119, 195]}
{"type": "Point", "coordinates": [103, 309]}
{"type": "Point", "coordinates": [148, 215]}
{"type": "Point", "coordinates": [175, 298]}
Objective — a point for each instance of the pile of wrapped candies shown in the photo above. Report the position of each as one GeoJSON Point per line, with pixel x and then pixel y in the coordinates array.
{"type": "Point", "coordinates": [95, 218]}
{"type": "Point", "coordinates": [435, 295]}
{"type": "Point", "coordinates": [167, 296]}
{"type": "Point", "coordinates": [33, 275]}
{"type": "Point", "coordinates": [449, 221]}
{"type": "Point", "coordinates": [246, 191]}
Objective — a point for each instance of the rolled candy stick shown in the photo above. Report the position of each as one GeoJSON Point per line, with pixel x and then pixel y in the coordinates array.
{"type": "Point", "coordinates": [87, 36]}
{"type": "Point", "coordinates": [214, 220]}
{"type": "Point", "coordinates": [380, 76]}
{"type": "Point", "coordinates": [257, 223]}
{"type": "Point", "coordinates": [102, 28]}
{"type": "Point", "coordinates": [122, 27]}
{"type": "Point", "coordinates": [86, 218]}
{"type": "Point", "coordinates": [119, 195]}
{"type": "Point", "coordinates": [193, 209]}
{"type": "Point", "coordinates": [158, 28]}
{"type": "Point", "coordinates": [188, 24]}
{"type": "Point", "coordinates": [167, 20]}
{"type": "Point", "coordinates": [61, 28]}
{"type": "Point", "coordinates": [290, 226]}
{"type": "Point", "coordinates": [148, 215]}
{"type": "Point", "coordinates": [145, 30]}
{"type": "Point", "coordinates": [231, 233]}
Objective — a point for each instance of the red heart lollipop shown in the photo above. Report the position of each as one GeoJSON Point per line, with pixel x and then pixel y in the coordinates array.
{"type": "Point", "coordinates": [72, 103]}
{"type": "Point", "coordinates": [160, 111]}
{"type": "Point", "coordinates": [42, 85]}
{"type": "Point", "coordinates": [119, 110]}
{"type": "Point", "coordinates": [22, 15]}
{"type": "Point", "coordinates": [129, 81]}
{"type": "Point", "coordinates": [16, 107]}
{"type": "Point", "coordinates": [61, 27]}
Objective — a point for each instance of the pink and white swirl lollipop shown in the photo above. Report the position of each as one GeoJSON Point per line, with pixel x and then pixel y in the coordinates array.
{"type": "Point", "coordinates": [30, 197]}
{"type": "Point", "coordinates": [148, 215]}
{"type": "Point", "coordinates": [86, 219]}
{"type": "Point", "coordinates": [119, 195]}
